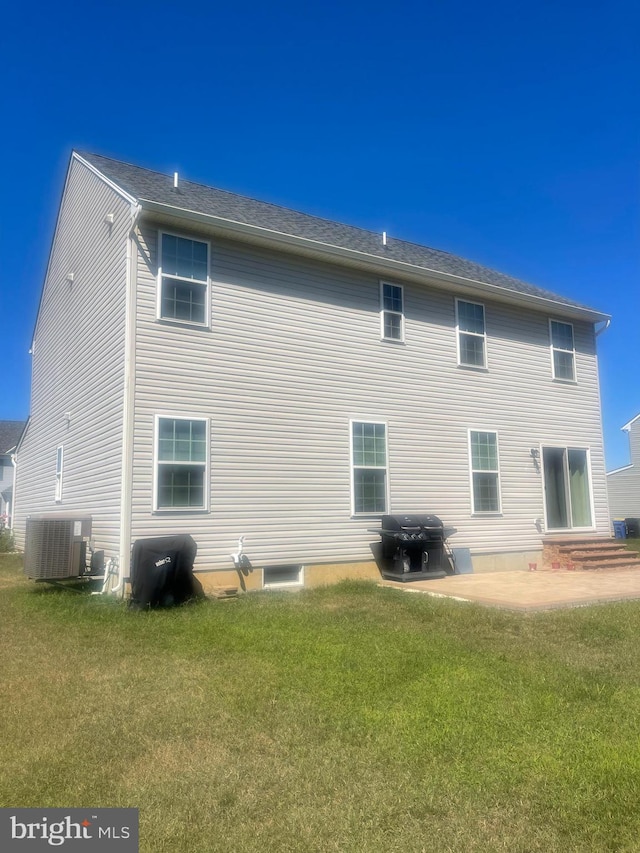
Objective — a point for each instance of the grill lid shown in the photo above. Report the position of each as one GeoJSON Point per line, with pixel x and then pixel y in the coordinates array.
{"type": "Point", "coordinates": [394, 523]}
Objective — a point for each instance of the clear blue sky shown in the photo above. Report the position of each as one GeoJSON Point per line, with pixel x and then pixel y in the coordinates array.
{"type": "Point", "coordinates": [504, 132]}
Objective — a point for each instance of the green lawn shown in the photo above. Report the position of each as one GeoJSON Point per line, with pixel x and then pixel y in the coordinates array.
{"type": "Point", "coordinates": [350, 718]}
{"type": "Point", "coordinates": [633, 544]}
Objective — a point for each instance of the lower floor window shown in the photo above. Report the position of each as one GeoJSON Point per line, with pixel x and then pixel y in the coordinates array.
{"type": "Point", "coordinates": [369, 461]}
{"type": "Point", "coordinates": [181, 463]}
{"type": "Point", "coordinates": [485, 475]}
{"type": "Point", "coordinates": [278, 576]}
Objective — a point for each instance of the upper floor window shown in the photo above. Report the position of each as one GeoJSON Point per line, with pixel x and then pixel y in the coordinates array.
{"type": "Point", "coordinates": [184, 279]}
{"type": "Point", "coordinates": [59, 467]}
{"type": "Point", "coordinates": [391, 312]}
{"type": "Point", "coordinates": [471, 334]}
{"type": "Point", "coordinates": [181, 463]}
{"type": "Point", "coordinates": [485, 475]}
{"type": "Point", "coordinates": [369, 467]}
{"type": "Point", "coordinates": [562, 351]}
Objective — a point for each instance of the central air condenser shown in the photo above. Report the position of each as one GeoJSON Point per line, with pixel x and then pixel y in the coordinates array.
{"type": "Point", "coordinates": [56, 546]}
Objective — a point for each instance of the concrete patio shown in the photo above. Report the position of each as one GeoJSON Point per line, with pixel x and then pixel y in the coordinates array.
{"type": "Point", "coordinates": [531, 591]}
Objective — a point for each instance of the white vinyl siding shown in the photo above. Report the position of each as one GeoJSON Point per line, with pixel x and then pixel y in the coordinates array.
{"type": "Point", "coordinates": [624, 483]}
{"type": "Point", "coordinates": [369, 472]}
{"type": "Point", "coordinates": [183, 280]}
{"type": "Point", "coordinates": [181, 464]}
{"type": "Point", "coordinates": [471, 332]}
{"type": "Point", "coordinates": [294, 356]}
{"type": "Point", "coordinates": [391, 312]}
{"type": "Point", "coordinates": [563, 356]}
{"type": "Point", "coordinates": [485, 472]}
{"type": "Point", "coordinates": [78, 364]}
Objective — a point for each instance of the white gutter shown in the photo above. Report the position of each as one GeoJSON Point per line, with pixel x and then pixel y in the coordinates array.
{"type": "Point", "coordinates": [12, 505]}
{"type": "Point", "coordinates": [627, 427]}
{"type": "Point", "coordinates": [415, 271]}
{"type": "Point", "coordinates": [14, 462]}
{"type": "Point", "coordinates": [128, 405]}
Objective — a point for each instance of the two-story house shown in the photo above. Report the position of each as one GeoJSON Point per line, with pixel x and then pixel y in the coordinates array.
{"type": "Point", "coordinates": [10, 432]}
{"type": "Point", "coordinates": [624, 483]}
{"type": "Point", "coordinates": [210, 364]}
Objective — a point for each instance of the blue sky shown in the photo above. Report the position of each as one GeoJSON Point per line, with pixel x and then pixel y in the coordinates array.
{"type": "Point", "coordinates": [504, 132]}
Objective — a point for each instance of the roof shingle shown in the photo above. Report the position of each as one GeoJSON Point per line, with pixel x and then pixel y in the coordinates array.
{"type": "Point", "coordinates": [10, 432]}
{"type": "Point", "coordinates": [146, 185]}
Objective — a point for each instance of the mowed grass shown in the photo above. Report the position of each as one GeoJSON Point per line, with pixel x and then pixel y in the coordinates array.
{"type": "Point", "coordinates": [350, 718]}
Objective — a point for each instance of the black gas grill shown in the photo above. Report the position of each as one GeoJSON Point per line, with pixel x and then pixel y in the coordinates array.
{"type": "Point", "coordinates": [413, 547]}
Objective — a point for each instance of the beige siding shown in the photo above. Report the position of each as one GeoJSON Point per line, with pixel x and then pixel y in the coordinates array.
{"type": "Point", "coordinates": [293, 353]}
{"type": "Point", "coordinates": [78, 363]}
{"type": "Point", "coordinates": [624, 484]}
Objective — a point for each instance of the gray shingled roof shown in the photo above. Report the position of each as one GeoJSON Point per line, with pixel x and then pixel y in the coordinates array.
{"type": "Point", "coordinates": [10, 432]}
{"type": "Point", "coordinates": [145, 185]}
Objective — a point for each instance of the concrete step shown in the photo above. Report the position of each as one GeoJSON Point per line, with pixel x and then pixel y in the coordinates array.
{"type": "Point", "coordinates": [577, 538]}
{"type": "Point", "coordinates": [602, 545]}
{"type": "Point", "coordinates": [603, 554]}
{"type": "Point", "coordinates": [588, 553]}
{"type": "Point", "coordinates": [596, 565]}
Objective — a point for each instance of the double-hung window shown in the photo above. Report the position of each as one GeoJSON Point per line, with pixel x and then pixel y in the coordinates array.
{"type": "Point", "coordinates": [369, 467]}
{"type": "Point", "coordinates": [472, 338]}
{"type": "Point", "coordinates": [59, 468]}
{"type": "Point", "coordinates": [183, 280]}
{"type": "Point", "coordinates": [181, 463]}
{"type": "Point", "coordinates": [391, 312]}
{"type": "Point", "coordinates": [485, 474]}
{"type": "Point", "coordinates": [563, 359]}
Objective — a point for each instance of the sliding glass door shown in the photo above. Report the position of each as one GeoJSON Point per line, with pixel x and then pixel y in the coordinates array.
{"type": "Point", "coordinates": [567, 488]}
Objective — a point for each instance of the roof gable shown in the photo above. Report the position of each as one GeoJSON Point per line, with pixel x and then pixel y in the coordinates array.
{"type": "Point", "coordinates": [10, 432]}
{"type": "Point", "coordinates": [145, 185]}
{"type": "Point", "coordinates": [627, 426]}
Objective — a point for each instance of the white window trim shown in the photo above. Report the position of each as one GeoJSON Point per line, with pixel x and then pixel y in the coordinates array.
{"type": "Point", "coordinates": [384, 311]}
{"type": "Point", "coordinates": [484, 512]}
{"type": "Point", "coordinates": [283, 584]}
{"type": "Point", "coordinates": [567, 448]}
{"type": "Point", "coordinates": [352, 468]}
{"type": "Point", "coordinates": [552, 350]}
{"type": "Point", "coordinates": [156, 463]}
{"type": "Point", "coordinates": [460, 332]}
{"type": "Point", "coordinates": [59, 473]}
{"type": "Point", "coordinates": [206, 284]}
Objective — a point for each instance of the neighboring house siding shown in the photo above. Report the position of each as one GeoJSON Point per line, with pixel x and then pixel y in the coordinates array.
{"type": "Point", "coordinates": [6, 487]}
{"type": "Point", "coordinates": [294, 353]}
{"type": "Point", "coordinates": [78, 363]}
{"type": "Point", "coordinates": [6, 472]}
{"type": "Point", "coordinates": [624, 484]}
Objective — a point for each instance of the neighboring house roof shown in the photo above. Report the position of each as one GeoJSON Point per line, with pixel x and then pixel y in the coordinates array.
{"type": "Point", "coordinates": [155, 191]}
{"type": "Point", "coordinates": [628, 426]}
{"type": "Point", "coordinates": [10, 432]}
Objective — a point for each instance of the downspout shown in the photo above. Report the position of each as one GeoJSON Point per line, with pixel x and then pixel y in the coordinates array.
{"type": "Point", "coordinates": [126, 491]}
{"type": "Point", "coordinates": [12, 505]}
{"type": "Point", "coordinates": [597, 333]}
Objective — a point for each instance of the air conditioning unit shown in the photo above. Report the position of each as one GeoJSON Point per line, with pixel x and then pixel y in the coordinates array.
{"type": "Point", "coordinates": [56, 546]}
